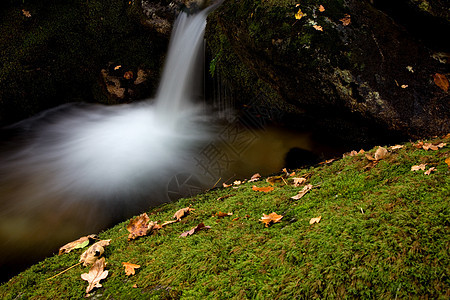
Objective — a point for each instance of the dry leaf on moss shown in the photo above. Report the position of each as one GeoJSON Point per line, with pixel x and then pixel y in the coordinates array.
{"type": "Point", "coordinates": [182, 213]}
{"type": "Point", "coordinates": [380, 153]}
{"type": "Point", "coordinates": [441, 81]}
{"type": "Point", "coordinates": [428, 172]}
{"type": "Point", "coordinates": [138, 226]}
{"type": "Point", "coordinates": [78, 244]}
{"type": "Point", "coordinates": [96, 273]}
{"type": "Point", "coordinates": [447, 161]}
{"type": "Point", "coordinates": [264, 189]}
{"type": "Point", "coordinates": [315, 220]}
{"type": "Point", "coordinates": [396, 147]}
{"type": "Point", "coordinates": [255, 177]}
{"type": "Point", "coordinates": [418, 167]}
{"type": "Point", "coordinates": [93, 253]}
{"type": "Point", "coordinates": [299, 181]}
{"type": "Point", "coordinates": [222, 214]}
{"type": "Point", "coordinates": [270, 218]}
{"type": "Point", "coordinates": [302, 193]}
{"type": "Point", "coordinates": [199, 227]}
{"type": "Point", "coordinates": [130, 268]}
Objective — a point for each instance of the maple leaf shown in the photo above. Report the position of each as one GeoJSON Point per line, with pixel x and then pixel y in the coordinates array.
{"type": "Point", "coordinates": [299, 181]}
{"type": "Point", "coordinates": [345, 20]}
{"type": "Point", "coordinates": [130, 268]}
{"type": "Point", "coordinates": [315, 220]}
{"type": "Point", "coordinates": [270, 218]}
{"type": "Point", "coordinates": [182, 213]}
{"type": "Point", "coordinates": [299, 14]}
{"type": "Point", "coordinates": [96, 273]}
{"type": "Point", "coordinates": [264, 189]}
{"type": "Point", "coordinates": [321, 8]}
{"type": "Point", "coordinates": [441, 81]}
{"type": "Point", "coordinates": [418, 167]}
{"type": "Point", "coordinates": [255, 177]}
{"type": "Point", "coordinates": [138, 226]}
{"type": "Point", "coordinates": [92, 254]}
{"type": "Point", "coordinates": [317, 27]}
{"type": "Point", "coordinates": [78, 244]}
{"type": "Point", "coordinates": [199, 227]}
{"type": "Point", "coordinates": [302, 193]}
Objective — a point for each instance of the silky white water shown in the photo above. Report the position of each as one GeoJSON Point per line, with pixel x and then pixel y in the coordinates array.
{"type": "Point", "coordinates": [78, 167]}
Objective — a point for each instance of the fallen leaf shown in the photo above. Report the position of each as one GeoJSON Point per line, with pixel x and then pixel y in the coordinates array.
{"type": "Point", "coordinates": [396, 147]}
{"type": "Point", "coordinates": [447, 161]}
{"type": "Point", "coordinates": [255, 177]}
{"type": "Point", "coordinates": [380, 153]}
{"type": "Point", "coordinates": [199, 227]}
{"type": "Point", "coordinates": [138, 226]}
{"type": "Point", "coordinates": [418, 167]}
{"type": "Point", "coordinates": [274, 179]}
{"type": "Point", "coordinates": [93, 253]}
{"type": "Point", "coordinates": [117, 67]}
{"type": "Point", "coordinates": [345, 20]}
{"type": "Point", "coordinates": [321, 8]}
{"type": "Point", "coordinates": [299, 181]}
{"type": "Point", "coordinates": [26, 13]}
{"type": "Point", "coordinates": [441, 81]}
{"type": "Point", "coordinates": [237, 182]}
{"type": "Point", "coordinates": [428, 172]}
{"type": "Point", "coordinates": [226, 185]}
{"type": "Point", "coordinates": [418, 145]}
{"type": "Point", "coordinates": [302, 193]}
{"type": "Point", "coordinates": [353, 153]}
{"type": "Point", "coordinates": [264, 189]}
{"type": "Point", "coordinates": [130, 268]}
{"type": "Point", "coordinates": [315, 220]}
{"type": "Point", "coordinates": [96, 273]}
{"type": "Point", "coordinates": [409, 68]}
{"type": "Point", "coordinates": [135, 285]}
{"type": "Point", "coordinates": [317, 27]}
{"type": "Point", "coordinates": [430, 146]}
{"type": "Point", "coordinates": [128, 75]}
{"type": "Point", "coordinates": [182, 213]}
{"type": "Point", "coordinates": [404, 86]}
{"type": "Point", "coordinates": [222, 214]}
{"type": "Point", "coordinates": [168, 222]}
{"type": "Point", "coordinates": [271, 218]}
{"type": "Point", "coordinates": [299, 14]}
{"type": "Point", "coordinates": [78, 244]}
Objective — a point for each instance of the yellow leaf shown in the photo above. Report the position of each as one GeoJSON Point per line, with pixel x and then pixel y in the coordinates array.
{"type": "Point", "coordinates": [270, 218]}
{"type": "Point", "coordinates": [315, 220]}
{"type": "Point", "coordinates": [441, 81]}
{"type": "Point", "coordinates": [299, 14]}
{"type": "Point", "coordinates": [317, 27]}
{"type": "Point", "coordinates": [130, 268]}
{"type": "Point", "coordinates": [404, 86]}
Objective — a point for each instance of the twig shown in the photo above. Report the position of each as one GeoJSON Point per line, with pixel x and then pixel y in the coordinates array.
{"type": "Point", "coordinates": [65, 270]}
{"type": "Point", "coordinates": [216, 183]}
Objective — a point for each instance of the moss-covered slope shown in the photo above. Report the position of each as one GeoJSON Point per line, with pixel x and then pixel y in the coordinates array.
{"type": "Point", "coordinates": [384, 234]}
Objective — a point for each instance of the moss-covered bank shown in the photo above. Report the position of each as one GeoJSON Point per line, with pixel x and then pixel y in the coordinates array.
{"type": "Point", "coordinates": [384, 234]}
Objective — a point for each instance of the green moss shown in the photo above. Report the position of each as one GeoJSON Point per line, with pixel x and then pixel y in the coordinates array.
{"type": "Point", "coordinates": [383, 234]}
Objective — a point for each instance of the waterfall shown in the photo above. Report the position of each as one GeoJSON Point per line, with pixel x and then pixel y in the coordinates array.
{"type": "Point", "coordinates": [77, 167]}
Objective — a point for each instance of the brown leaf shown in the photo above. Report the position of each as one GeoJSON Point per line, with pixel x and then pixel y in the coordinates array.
{"type": "Point", "coordinates": [93, 253]}
{"type": "Point", "coordinates": [430, 146]}
{"type": "Point", "coordinates": [353, 153]}
{"type": "Point", "coordinates": [255, 177]}
{"type": "Point", "coordinates": [182, 213]}
{"type": "Point", "coordinates": [271, 218]}
{"type": "Point", "coordinates": [26, 13]}
{"type": "Point", "coordinates": [128, 75]}
{"type": "Point", "coordinates": [96, 273]}
{"type": "Point", "coordinates": [130, 268]}
{"type": "Point", "coordinates": [299, 181]}
{"type": "Point", "coordinates": [317, 27]}
{"type": "Point", "coordinates": [78, 244]}
{"type": "Point", "coordinates": [428, 172]}
{"type": "Point", "coordinates": [321, 8]}
{"type": "Point", "coordinates": [302, 193]}
{"type": "Point", "coordinates": [237, 182]}
{"type": "Point", "coordinates": [315, 220]}
{"type": "Point", "coordinates": [418, 167]}
{"type": "Point", "coordinates": [168, 222]}
{"type": "Point", "coordinates": [138, 226]}
{"type": "Point", "coordinates": [381, 153]}
{"type": "Point", "coordinates": [199, 227]}
{"type": "Point", "coordinates": [222, 214]}
{"type": "Point", "coordinates": [345, 20]}
{"type": "Point", "coordinates": [441, 81]}
{"type": "Point", "coordinates": [264, 189]}
{"type": "Point", "coordinates": [396, 147]}
{"type": "Point", "coordinates": [117, 67]}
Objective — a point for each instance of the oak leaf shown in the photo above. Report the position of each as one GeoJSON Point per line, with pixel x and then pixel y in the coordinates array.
{"type": "Point", "coordinates": [418, 167]}
{"type": "Point", "coordinates": [302, 193]}
{"type": "Point", "coordinates": [264, 189]}
{"type": "Point", "coordinates": [138, 226]}
{"type": "Point", "coordinates": [315, 220]}
{"type": "Point", "coordinates": [96, 273]}
{"type": "Point", "coordinates": [346, 20]}
{"type": "Point", "coordinates": [78, 244]}
{"type": "Point", "coordinates": [299, 181]}
{"type": "Point", "coordinates": [428, 172]}
{"type": "Point", "coordinates": [182, 213]}
{"type": "Point", "coordinates": [199, 227]}
{"type": "Point", "coordinates": [441, 81]}
{"type": "Point", "coordinates": [93, 253]}
{"type": "Point", "coordinates": [270, 218]}
{"type": "Point", "coordinates": [130, 268]}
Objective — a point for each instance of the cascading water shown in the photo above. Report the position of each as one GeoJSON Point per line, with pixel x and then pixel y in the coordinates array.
{"type": "Point", "coordinates": [75, 168]}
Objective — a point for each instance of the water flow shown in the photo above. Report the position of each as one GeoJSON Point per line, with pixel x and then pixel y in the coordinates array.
{"type": "Point", "coordinates": [73, 167]}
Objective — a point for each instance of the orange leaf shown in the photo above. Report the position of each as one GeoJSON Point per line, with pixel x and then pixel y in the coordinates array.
{"type": "Point", "coordinates": [271, 218]}
{"type": "Point", "coordinates": [222, 214]}
{"type": "Point", "coordinates": [130, 268]}
{"type": "Point", "coordinates": [138, 226]}
{"type": "Point", "coordinates": [199, 227]}
{"type": "Point", "coordinates": [418, 167]}
{"type": "Point", "coordinates": [317, 27]}
{"type": "Point", "coordinates": [117, 67]}
{"type": "Point", "coordinates": [315, 220]}
{"type": "Point", "coordinates": [226, 185]}
{"type": "Point", "coordinates": [264, 189]}
{"type": "Point", "coordinates": [345, 20]}
{"type": "Point", "coordinates": [26, 13]}
{"type": "Point", "coordinates": [321, 8]}
{"type": "Point", "coordinates": [128, 75]}
{"type": "Point", "coordinates": [302, 193]}
{"type": "Point", "coordinates": [441, 81]}
{"type": "Point", "coordinates": [447, 161]}
{"type": "Point", "coordinates": [96, 273]}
